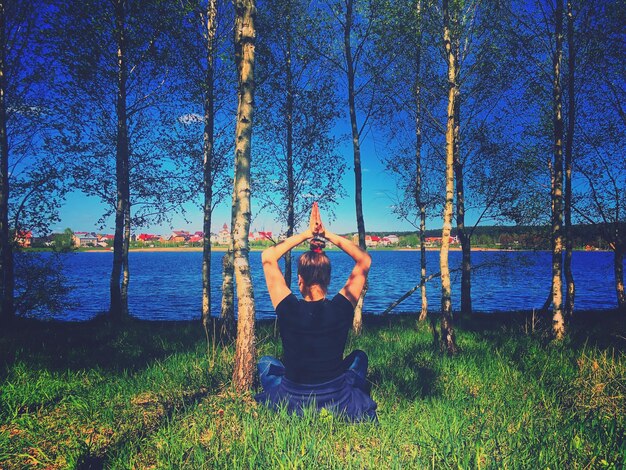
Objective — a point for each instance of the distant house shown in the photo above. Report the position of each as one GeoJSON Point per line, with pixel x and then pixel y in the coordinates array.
{"type": "Point", "coordinates": [390, 240]}
{"type": "Point", "coordinates": [197, 238]}
{"type": "Point", "coordinates": [105, 240]}
{"type": "Point", "coordinates": [372, 241]}
{"type": "Point", "coordinates": [437, 240]}
{"type": "Point", "coordinates": [223, 236]}
{"type": "Point", "coordinates": [85, 239]}
{"type": "Point", "coordinates": [180, 236]}
{"type": "Point", "coordinates": [148, 238]}
{"type": "Point", "coordinates": [24, 238]}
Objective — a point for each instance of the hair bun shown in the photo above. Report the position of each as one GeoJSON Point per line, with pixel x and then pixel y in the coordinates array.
{"type": "Point", "coordinates": [317, 245]}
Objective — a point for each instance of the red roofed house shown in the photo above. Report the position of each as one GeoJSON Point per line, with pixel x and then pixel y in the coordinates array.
{"type": "Point", "coordinates": [146, 237]}
{"type": "Point", "coordinates": [180, 236]}
{"type": "Point", "coordinates": [24, 238]}
{"type": "Point", "coordinates": [437, 240]}
{"type": "Point", "coordinates": [372, 241]}
{"type": "Point", "coordinates": [390, 240]}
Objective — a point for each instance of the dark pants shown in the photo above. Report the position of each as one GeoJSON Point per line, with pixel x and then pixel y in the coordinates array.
{"type": "Point", "coordinates": [271, 370]}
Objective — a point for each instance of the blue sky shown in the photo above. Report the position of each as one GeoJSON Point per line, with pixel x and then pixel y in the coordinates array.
{"type": "Point", "coordinates": [81, 213]}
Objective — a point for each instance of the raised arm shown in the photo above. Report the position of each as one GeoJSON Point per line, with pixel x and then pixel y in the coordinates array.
{"type": "Point", "coordinates": [276, 285]}
{"type": "Point", "coordinates": [362, 262]}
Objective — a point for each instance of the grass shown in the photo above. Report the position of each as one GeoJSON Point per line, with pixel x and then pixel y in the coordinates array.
{"type": "Point", "coordinates": [147, 395]}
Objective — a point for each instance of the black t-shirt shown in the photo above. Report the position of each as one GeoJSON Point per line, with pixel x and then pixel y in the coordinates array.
{"type": "Point", "coordinates": [314, 335]}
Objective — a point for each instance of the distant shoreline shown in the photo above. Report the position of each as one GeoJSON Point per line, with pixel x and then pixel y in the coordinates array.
{"type": "Point", "coordinates": [223, 249]}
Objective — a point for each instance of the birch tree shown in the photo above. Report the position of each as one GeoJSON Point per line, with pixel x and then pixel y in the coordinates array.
{"type": "Point", "coordinates": [602, 202]}
{"type": "Point", "coordinates": [297, 158]}
{"type": "Point", "coordinates": [208, 139]}
{"type": "Point", "coordinates": [537, 33]}
{"type": "Point", "coordinates": [6, 255]}
{"type": "Point", "coordinates": [484, 79]}
{"type": "Point", "coordinates": [544, 99]}
{"type": "Point", "coordinates": [480, 85]}
{"type": "Point", "coordinates": [558, 321]}
{"type": "Point", "coordinates": [346, 43]}
{"type": "Point", "coordinates": [32, 181]}
{"type": "Point", "coordinates": [447, 328]}
{"type": "Point", "coordinates": [114, 60]}
{"type": "Point", "coordinates": [406, 86]}
{"type": "Point", "coordinates": [420, 200]}
{"type": "Point", "coordinates": [245, 36]}
{"type": "Point", "coordinates": [201, 138]}
{"type": "Point", "coordinates": [121, 242]}
{"type": "Point", "coordinates": [227, 307]}
{"type": "Point", "coordinates": [454, 14]}
{"type": "Point", "coordinates": [570, 289]}
{"type": "Point", "coordinates": [601, 129]}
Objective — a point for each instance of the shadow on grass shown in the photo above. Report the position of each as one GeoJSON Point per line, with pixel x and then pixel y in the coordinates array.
{"type": "Point", "coordinates": [89, 462]}
{"type": "Point", "coordinates": [605, 329]}
{"type": "Point", "coordinates": [124, 408]}
{"type": "Point", "coordinates": [96, 344]}
{"type": "Point", "coordinates": [411, 376]}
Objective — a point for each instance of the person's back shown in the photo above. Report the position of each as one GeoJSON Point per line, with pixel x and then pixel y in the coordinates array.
{"type": "Point", "coordinates": [314, 336]}
{"type": "Point", "coordinates": [314, 331]}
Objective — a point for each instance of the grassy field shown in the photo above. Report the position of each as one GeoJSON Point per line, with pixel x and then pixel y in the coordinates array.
{"type": "Point", "coordinates": [156, 395]}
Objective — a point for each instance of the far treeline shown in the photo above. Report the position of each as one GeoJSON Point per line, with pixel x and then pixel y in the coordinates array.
{"type": "Point", "coordinates": [584, 237]}
{"type": "Point", "coordinates": [512, 110]}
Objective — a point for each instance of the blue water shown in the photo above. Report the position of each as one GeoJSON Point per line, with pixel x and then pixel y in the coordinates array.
{"type": "Point", "coordinates": [167, 285]}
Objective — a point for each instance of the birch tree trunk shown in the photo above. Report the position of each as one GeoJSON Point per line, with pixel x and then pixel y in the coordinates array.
{"type": "Point", "coordinates": [466, 263]}
{"type": "Point", "coordinates": [618, 267]}
{"type": "Point", "coordinates": [459, 173]}
{"type": "Point", "coordinates": [207, 163]}
{"type": "Point", "coordinates": [419, 200]}
{"type": "Point", "coordinates": [558, 323]}
{"type": "Point", "coordinates": [6, 248]}
{"type": "Point", "coordinates": [447, 330]}
{"type": "Point", "coordinates": [356, 147]}
{"type": "Point", "coordinates": [126, 247]}
{"type": "Point", "coordinates": [569, 144]}
{"type": "Point", "coordinates": [245, 355]}
{"type": "Point", "coordinates": [289, 150]}
{"type": "Point", "coordinates": [116, 309]}
{"type": "Point", "coordinates": [227, 316]}
{"type": "Point", "coordinates": [424, 309]}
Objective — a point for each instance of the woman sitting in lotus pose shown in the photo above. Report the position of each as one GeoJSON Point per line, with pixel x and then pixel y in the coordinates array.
{"type": "Point", "coordinates": [314, 330]}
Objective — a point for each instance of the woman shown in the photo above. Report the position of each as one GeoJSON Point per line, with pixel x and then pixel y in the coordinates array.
{"type": "Point", "coordinates": [314, 330]}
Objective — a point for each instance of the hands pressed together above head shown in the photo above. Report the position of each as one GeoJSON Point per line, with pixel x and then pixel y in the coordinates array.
{"type": "Point", "coordinates": [315, 222]}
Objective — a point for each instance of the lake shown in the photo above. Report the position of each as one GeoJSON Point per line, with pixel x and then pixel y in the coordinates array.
{"type": "Point", "coordinates": [167, 285]}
